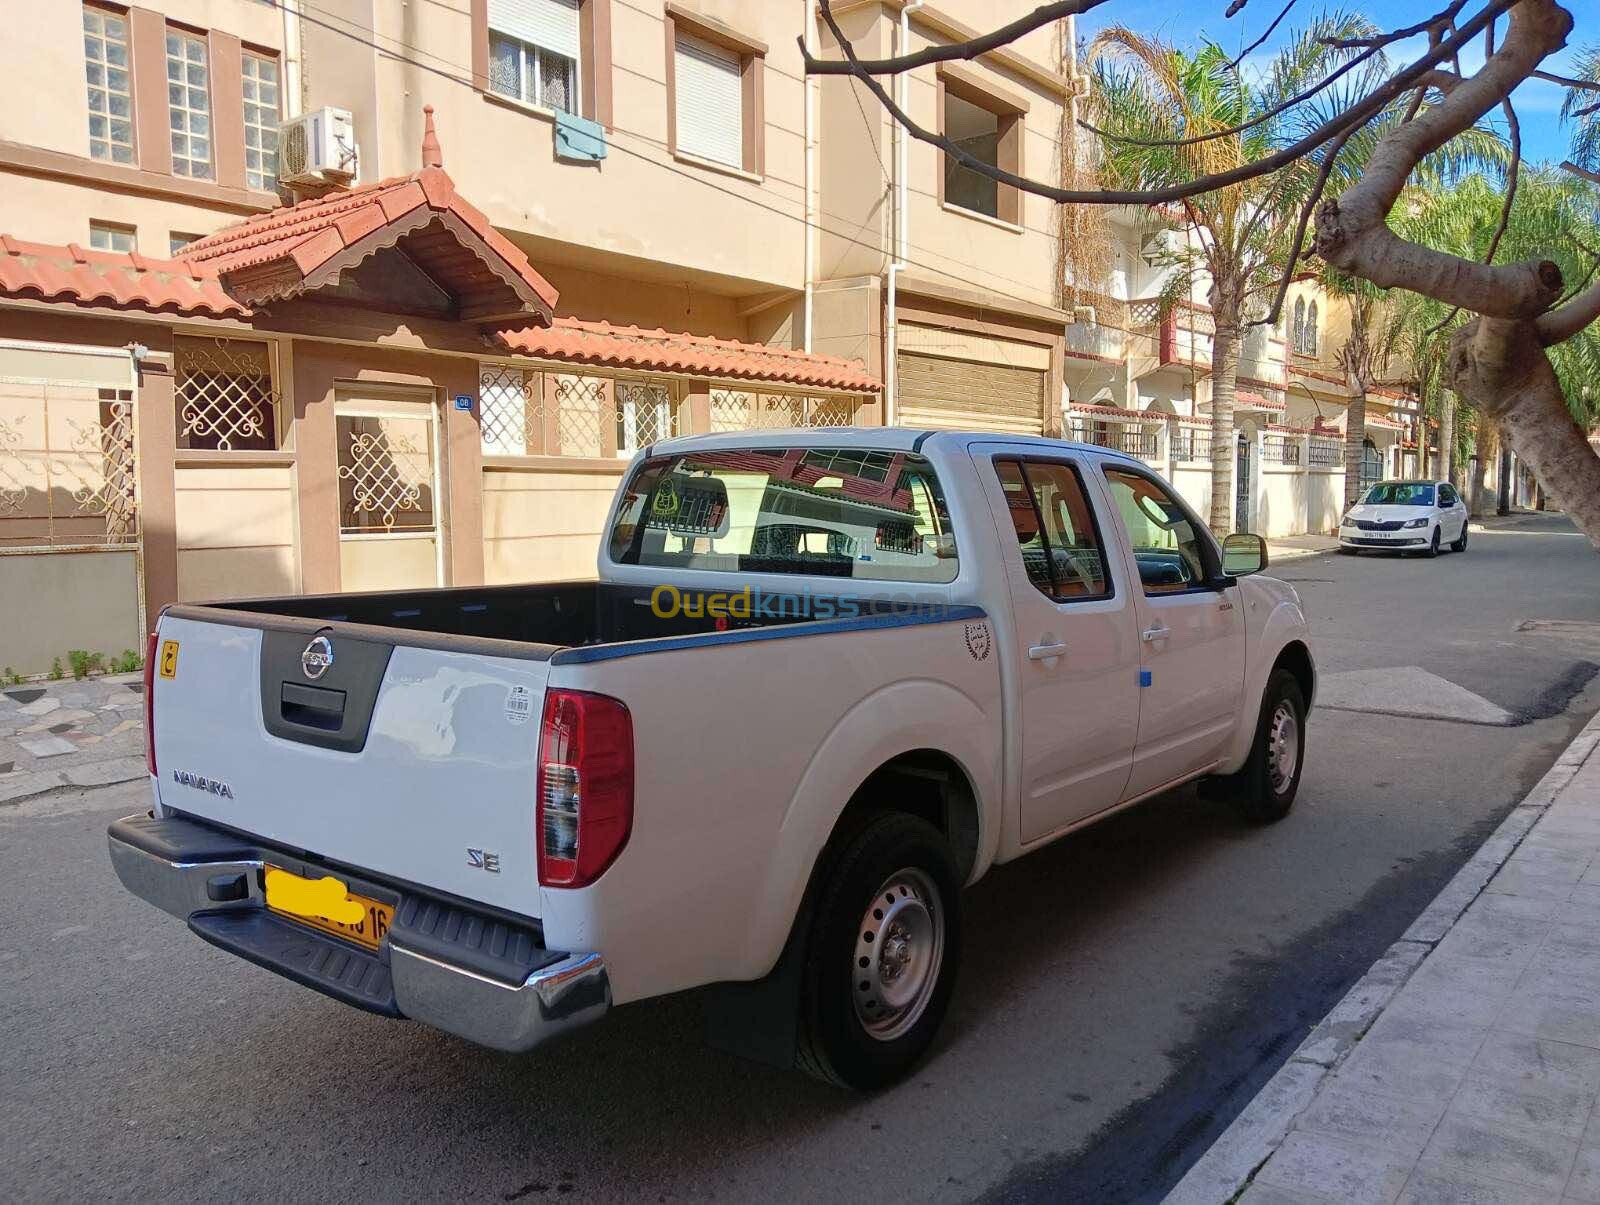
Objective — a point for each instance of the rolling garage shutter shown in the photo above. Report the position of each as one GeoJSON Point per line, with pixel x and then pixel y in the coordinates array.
{"type": "Point", "coordinates": [943, 393]}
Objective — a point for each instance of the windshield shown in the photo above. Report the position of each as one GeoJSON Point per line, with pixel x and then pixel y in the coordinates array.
{"type": "Point", "coordinates": [837, 512]}
{"type": "Point", "coordinates": [1399, 493]}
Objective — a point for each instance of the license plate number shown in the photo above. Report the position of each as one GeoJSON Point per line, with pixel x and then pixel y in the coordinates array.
{"type": "Point", "coordinates": [287, 895]}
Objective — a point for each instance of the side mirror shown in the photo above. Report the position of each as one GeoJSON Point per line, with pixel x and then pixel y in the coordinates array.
{"type": "Point", "coordinates": [1243, 554]}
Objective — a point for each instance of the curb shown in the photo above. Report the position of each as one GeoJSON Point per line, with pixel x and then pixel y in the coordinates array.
{"type": "Point", "coordinates": [1225, 1170]}
{"type": "Point", "coordinates": [106, 773]}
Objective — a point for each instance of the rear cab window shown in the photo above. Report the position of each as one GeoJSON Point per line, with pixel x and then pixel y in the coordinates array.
{"type": "Point", "coordinates": [864, 514]}
{"type": "Point", "coordinates": [1056, 532]}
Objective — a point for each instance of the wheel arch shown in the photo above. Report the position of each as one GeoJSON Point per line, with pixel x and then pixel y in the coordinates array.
{"type": "Point", "coordinates": [1296, 658]}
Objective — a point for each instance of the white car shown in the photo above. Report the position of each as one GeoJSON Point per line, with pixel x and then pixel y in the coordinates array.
{"type": "Point", "coordinates": [824, 679]}
{"type": "Point", "coordinates": [1406, 516]}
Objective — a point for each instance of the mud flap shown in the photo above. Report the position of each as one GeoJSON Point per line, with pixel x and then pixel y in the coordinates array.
{"type": "Point", "coordinates": [760, 1020]}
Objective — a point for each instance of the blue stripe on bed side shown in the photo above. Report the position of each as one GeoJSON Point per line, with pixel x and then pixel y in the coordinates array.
{"type": "Point", "coordinates": [821, 627]}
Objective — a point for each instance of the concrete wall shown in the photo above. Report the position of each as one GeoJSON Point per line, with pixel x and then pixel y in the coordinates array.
{"type": "Point", "coordinates": [235, 527]}
{"type": "Point", "coordinates": [56, 601]}
{"type": "Point", "coordinates": [542, 525]}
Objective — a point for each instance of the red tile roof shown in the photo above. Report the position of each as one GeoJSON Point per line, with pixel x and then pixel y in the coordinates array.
{"type": "Point", "coordinates": [47, 272]}
{"type": "Point", "coordinates": [309, 235]}
{"type": "Point", "coordinates": [578, 341]}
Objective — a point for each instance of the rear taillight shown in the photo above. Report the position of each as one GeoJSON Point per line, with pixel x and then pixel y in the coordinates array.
{"type": "Point", "coordinates": [585, 786]}
{"type": "Point", "coordinates": [150, 703]}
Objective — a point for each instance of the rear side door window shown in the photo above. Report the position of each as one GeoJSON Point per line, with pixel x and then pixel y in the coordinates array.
{"type": "Point", "coordinates": [1055, 529]}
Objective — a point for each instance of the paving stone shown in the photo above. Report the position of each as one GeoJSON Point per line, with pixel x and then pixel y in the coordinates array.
{"type": "Point", "coordinates": [102, 773]}
{"type": "Point", "coordinates": [1468, 991]}
{"type": "Point", "coordinates": [20, 786]}
{"type": "Point", "coordinates": [7, 766]}
{"type": "Point", "coordinates": [42, 706]}
{"type": "Point", "coordinates": [1413, 1057]}
{"type": "Point", "coordinates": [1271, 1194]}
{"type": "Point", "coordinates": [1519, 1058]}
{"type": "Point", "coordinates": [47, 746]}
{"type": "Point", "coordinates": [1584, 1183]}
{"type": "Point", "coordinates": [1497, 1150]}
{"type": "Point", "coordinates": [1395, 1123]}
{"type": "Point", "coordinates": [1350, 1171]}
{"type": "Point", "coordinates": [25, 694]}
{"type": "Point", "coordinates": [1560, 1108]}
{"type": "Point", "coordinates": [1439, 1184]}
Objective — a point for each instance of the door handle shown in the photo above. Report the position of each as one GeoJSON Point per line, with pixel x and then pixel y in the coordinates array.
{"type": "Point", "coordinates": [1151, 635]}
{"type": "Point", "coordinates": [1046, 652]}
{"type": "Point", "coordinates": [1225, 605]}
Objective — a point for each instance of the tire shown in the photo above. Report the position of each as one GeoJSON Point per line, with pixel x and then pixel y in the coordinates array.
{"type": "Point", "coordinates": [1266, 785]}
{"type": "Point", "coordinates": [1343, 551]}
{"type": "Point", "coordinates": [1433, 546]}
{"type": "Point", "coordinates": [866, 1027]}
{"type": "Point", "coordinates": [1461, 544]}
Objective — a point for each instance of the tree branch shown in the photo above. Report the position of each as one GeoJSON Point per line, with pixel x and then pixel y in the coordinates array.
{"type": "Point", "coordinates": [1567, 165]}
{"type": "Point", "coordinates": [1561, 324]}
{"type": "Point", "coordinates": [1352, 233]}
{"type": "Point", "coordinates": [970, 49]}
{"type": "Point", "coordinates": [1354, 117]}
{"type": "Point", "coordinates": [1431, 24]}
{"type": "Point", "coordinates": [1233, 64]}
{"type": "Point", "coordinates": [1328, 81]}
{"type": "Point", "coordinates": [1566, 81]}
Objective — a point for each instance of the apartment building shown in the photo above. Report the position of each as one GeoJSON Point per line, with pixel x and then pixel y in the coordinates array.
{"type": "Point", "coordinates": [249, 344]}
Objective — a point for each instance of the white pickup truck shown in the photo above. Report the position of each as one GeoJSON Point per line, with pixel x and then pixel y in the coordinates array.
{"type": "Point", "coordinates": [825, 679]}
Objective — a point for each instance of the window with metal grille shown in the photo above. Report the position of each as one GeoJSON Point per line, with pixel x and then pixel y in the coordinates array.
{"type": "Point", "coordinates": [260, 120]}
{"type": "Point", "coordinates": [534, 52]}
{"type": "Point", "coordinates": [507, 409]}
{"type": "Point", "coordinates": [747, 409]}
{"type": "Point", "coordinates": [708, 101]}
{"type": "Point", "coordinates": [109, 236]}
{"type": "Point", "coordinates": [645, 415]}
{"type": "Point", "coordinates": [189, 104]}
{"type": "Point", "coordinates": [105, 62]}
{"type": "Point", "coordinates": [224, 394]}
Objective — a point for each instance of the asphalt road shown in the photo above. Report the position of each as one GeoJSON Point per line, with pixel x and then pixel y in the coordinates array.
{"type": "Point", "coordinates": [1126, 991]}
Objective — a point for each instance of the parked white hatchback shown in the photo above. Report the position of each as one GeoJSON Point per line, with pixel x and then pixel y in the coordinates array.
{"type": "Point", "coordinates": [1406, 516]}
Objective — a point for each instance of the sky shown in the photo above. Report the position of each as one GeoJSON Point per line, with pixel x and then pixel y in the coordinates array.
{"type": "Point", "coordinates": [1537, 103]}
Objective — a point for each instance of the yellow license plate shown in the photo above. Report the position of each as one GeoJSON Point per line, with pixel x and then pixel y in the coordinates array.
{"type": "Point", "coordinates": [328, 905]}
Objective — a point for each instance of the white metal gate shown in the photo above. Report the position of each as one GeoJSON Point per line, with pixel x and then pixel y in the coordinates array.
{"type": "Point", "coordinates": [390, 535]}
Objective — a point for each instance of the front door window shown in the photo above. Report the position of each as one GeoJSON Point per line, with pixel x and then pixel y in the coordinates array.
{"type": "Point", "coordinates": [388, 494]}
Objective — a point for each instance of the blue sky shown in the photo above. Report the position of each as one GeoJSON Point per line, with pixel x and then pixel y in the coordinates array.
{"type": "Point", "coordinates": [1538, 104]}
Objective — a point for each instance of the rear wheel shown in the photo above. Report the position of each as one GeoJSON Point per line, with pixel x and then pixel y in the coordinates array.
{"type": "Point", "coordinates": [1461, 544]}
{"type": "Point", "coordinates": [1271, 778]}
{"type": "Point", "coordinates": [881, 955]}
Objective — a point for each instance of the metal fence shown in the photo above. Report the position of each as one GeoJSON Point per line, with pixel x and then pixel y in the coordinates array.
{"type": "Point", "coordinates": [1191, 444]}
{"type": "Point", "coordinates": [1325, 453]}
{"type": "Point", "coordinates": [1280, 449]}
{"type": "Point", "coordinates": [67, 466]}
{"type": "Point", "coordinates": [1120, 437]}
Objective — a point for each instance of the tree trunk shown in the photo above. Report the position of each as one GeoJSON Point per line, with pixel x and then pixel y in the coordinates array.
{"type": "Point", "coordinates": [1447, 438]}
{"type": "Point", "coordinates": [1505, 487]}
{"type": "Point", "coordinates": [1501, 367]}
{"type": "Point", "coordinates": [1355, 444]}
{"type": "Point", "coordinates": [1224, 388]}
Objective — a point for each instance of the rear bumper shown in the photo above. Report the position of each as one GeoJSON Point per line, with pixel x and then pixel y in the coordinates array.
{"type": "Point", "coordinates": [466, 973]}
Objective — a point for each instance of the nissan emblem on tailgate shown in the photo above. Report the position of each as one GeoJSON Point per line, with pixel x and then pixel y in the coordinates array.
{"type": "Point", "coordinates": [318, 657]}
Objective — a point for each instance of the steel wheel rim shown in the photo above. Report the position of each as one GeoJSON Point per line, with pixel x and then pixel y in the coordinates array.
{"type": "Point", "coordinates": [1283, 747]}
{"type": "Point", "coordinates": [899, 952]}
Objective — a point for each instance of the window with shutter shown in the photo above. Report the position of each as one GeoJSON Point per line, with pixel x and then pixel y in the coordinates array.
{"type": "Point", "coordinates": [534, 50]}
{"type": "Point", "coordinates": [709, 101]}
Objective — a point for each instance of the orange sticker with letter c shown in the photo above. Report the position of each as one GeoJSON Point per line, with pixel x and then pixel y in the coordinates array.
{"type": "Point", "coordinates": [169, 658]}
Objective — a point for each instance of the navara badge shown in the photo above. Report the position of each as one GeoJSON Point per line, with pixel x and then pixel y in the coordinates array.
{"type": "Point", "coordinates": [318, 657]}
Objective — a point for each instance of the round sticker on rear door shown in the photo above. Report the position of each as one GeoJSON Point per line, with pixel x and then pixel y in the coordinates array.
{"type": "Point", "coordinates": [519, 704]}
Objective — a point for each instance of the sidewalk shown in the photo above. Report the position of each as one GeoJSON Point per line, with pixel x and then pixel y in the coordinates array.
{"type": "Point", "coordinates": [1289, 548]}
{"type": "Point", "coordinates": [70, 734]}
{"type": "Point", "coordinates": [1465, 1065]}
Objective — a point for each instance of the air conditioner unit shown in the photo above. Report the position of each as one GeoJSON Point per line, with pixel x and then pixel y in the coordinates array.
{"type": "Point", "coordinates": [319, 147]}
{"type": "Point", "coordinates": [1083, 315]}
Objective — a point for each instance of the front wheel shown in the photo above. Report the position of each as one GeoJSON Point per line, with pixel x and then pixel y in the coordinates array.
{"type": "Point", "coordinates": [881, 955]}
{"type": "Point", "coordinates": [1461, 544]}
{"type": "Point", "coordinates": [1433, 545]}
{"type": "Point", "coordinates": [1271, 778]}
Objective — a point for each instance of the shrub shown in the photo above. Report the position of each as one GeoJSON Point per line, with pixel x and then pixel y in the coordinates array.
{"type": "Point", "coordinates": [129, 662]}
{"type": "Point", "coordinates": [56, 673]}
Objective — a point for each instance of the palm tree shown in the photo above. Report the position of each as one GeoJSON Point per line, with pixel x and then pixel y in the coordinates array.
{"type": "Point", "coordinates": [1147, 91]}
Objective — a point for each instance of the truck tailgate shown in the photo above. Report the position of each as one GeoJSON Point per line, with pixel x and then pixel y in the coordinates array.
{"type": "Point", "coordinates": [413, 763]}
